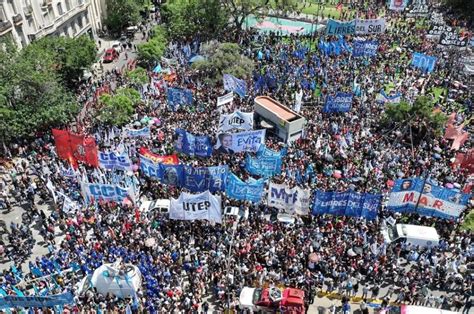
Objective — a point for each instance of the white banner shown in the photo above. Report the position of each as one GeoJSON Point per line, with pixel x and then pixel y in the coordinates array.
{"type": "Point", "coordinates": [236, 121]}
{"type": "Point", "coordinates": [230, 143]}
{"type": "Point", "coordinates": [203, 206]}
{"type": "Point", "coordinates": [295, 200]}
{"type": "Point", "coordinates": [52, 189]}
{"type": "Point", "coordinates": [370, 26]}
{"type": "Point", "coordinates": [227, 98]}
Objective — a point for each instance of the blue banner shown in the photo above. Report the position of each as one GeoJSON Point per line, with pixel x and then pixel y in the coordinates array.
{"type": "Point", "coordinates": [113, 160]}
{"type": "Point", "coordinates": [333, 47]}
{"type": "Point", "coordinates": [264, 166]}
{"type": "Point", "coordinates": [342, 102]}
{"type": "Point", "coordinates": [252, 190]}
{"type": "Point", "coordinates": [365, 48]}
{"type": "Point", "coordinates": [189, 144]}
{"type": "Point", "coordinates": [143, 132]}
{"type": "Point", "coordinates": [347, 204]}
{"type": "Point", "coordinates": [414, 195]}
{"type": "Point", "coordinates": [105, 192]}
{"type": "Point", "coordinates": [424, 62]}
{"type": "Point", "coordinates": [205, 178]}
{"type": "Point", "coordinates": [335, 27]}
{"type": "Point", "coordinates": [233, 84]}
{"type": "Point", "coordinates": [267, 152]}
{"type": "Point", "coordinates": [50, 301]}
{"type": "Point", "coordinates": [179, 96]}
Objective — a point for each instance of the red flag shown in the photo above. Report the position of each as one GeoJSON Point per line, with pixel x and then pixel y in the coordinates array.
{"type": "Point", "coordinates": [166, 160]}
{"type": "Point", "coordinates": [61, 139]}
{"type": "Point", "coordinates": [75, 147]}
{"type": "Point", "coordinates": [339, 7]}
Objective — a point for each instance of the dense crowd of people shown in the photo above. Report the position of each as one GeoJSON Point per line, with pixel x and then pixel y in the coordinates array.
{"type": "Point", "coordinates": [197, 265]}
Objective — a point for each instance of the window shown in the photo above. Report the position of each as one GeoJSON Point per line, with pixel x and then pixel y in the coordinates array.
{"type": "Point", "coordinates": [68, 5]}
{"type": "Point", "coordinates": [79, 20]}
{"type": "Point", "coordinates": [12, 7]}
{"type": "Point", "coordinates": [2, 14]}
{"type": "Point", "coordinates": [60, 8]}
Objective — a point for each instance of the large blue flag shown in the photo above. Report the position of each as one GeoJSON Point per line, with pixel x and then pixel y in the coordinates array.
{"type": "Point", "coordinates": [251, 190]}
{"type": "Point", "coordinates": [179, 96]}
{"type": "Point", "coordinates": [233, 84]}
{"type": "Point", "coordinates": [347, 204]}
{"type": "Point", "coordinates": [264, 166]}
{"type": "Point", "coordinates": [423, 62]}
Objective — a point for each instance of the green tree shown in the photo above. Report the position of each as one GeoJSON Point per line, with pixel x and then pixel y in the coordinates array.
{"type": "Point", "coordinates": [417, 121]}
{"type": "Point", "coordinates": [149, 53]}
{"type": "Point", "coordinates": [220, 59]}
{"type": "Point", "coordinates": [122, 13]}
{"type": "Point", "coordinates": [186, 18]}
{"type": "Point", "coordinates": [70, 55]}
{"type": "Point", "coordinates": [240, 9]}
{"type": "Point", "coordinates": [32, 97]}
{"type": "Point", "coordinates": [115, 109]}
{"type": "Point", "coordinates": [138, 76]}
{"type": "Point", "coordinates": [131, 94]}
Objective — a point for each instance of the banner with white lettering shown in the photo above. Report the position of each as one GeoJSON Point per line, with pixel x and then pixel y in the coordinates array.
{"type": "Point", "coordinates": [335, 27]}
{"type": "Point", "coordinates": [236, 121]}
{"type": "Point", "coordinates": [295, 200]}
{"type": "Point", "coordinates": [94, 192]}
{"type": "Point", "coordinates": [227, 98]}
{"type": "Point", "coordinates": [203, 206]}
{"type": "Point", "coordinates": [369, 26]}
{"type": "Point", "coordinates": [230, 143]}
{"type": "Point", "coordinates": [425, 198]}
{"type": "Point", "coordinates": [418, 8]}
{"type": "Point", "coordinates": [112, 160]}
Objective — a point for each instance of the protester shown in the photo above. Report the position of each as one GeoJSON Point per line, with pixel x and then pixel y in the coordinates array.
{"type": "Point", "coordinates": [193, 260]}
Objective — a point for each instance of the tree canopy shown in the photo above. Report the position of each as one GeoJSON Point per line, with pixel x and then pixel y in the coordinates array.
{"type": "Point", "coordinates": [420, 118]}
{"type": "Point", "coordinates": [185, 18]}
{"type": "Point", "coordinates": [32, 96]}
{"type": "Point", "coordinates": [149, 53]}
{"type": "Point", "coordinates": [122, 13]}
{"type": "Point", "coordinates": [117, 109]}
{"type": "Point", "coordinates": [223, 58]}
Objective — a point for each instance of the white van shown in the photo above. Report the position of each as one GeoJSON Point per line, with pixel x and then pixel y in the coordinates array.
{"type": "Point", "coordinates": [411, 234]}
{"type": "Point", "coordinates": [161, 206]}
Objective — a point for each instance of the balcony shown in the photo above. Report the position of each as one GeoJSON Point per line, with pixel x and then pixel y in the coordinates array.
{"type": "Point", "coordinates": [17, 19]}
{"type": "Point", "coordinates": [46, 4]}
{"type": "Point", "coordinates": [28, 10]}
{"type": "Point", "coordinates": [4, 26]}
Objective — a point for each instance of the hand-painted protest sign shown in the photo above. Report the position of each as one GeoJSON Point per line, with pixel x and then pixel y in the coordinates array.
{"type": "Point", "coordinates": [112, 160]}
{"type": "Point", "coordinates": [437, 30]}
{"type": "Point", "coordinates": [264, 166]}
{"type": "Point", "coordinates": [159, 159]}
{"type": "Point", "coordinates": [192, 145]}
{"type": "Point", "coordinates": [453, 39]}
{"type": "Point", "coordinates": [342, 102]}
{"type": "Point", "coordinates": [363, 48]}
{"type": "Point", "coordinates": [419, 8]}
{"type": "Point", "coordinates": [143, 132]}
{"type": "Point", "coordinates": [105, 192]}
{"type": "Point", "coordinates": [383, 98]}
{"type": "Point", "coordinates": [295, 200]}
{"type": "Point", "coordinates": [233, 84]}
{"type": "Point", "coordinates": [369, 26]}
{"type": "Point", "coordinates": [346, 204]}
{"type": "Point", "coordinates": [424, 62]}
{"type": "Point", "coordinates": [179, 96]}
{"type": "Point", "coordinates": [205, 178]}
{"type": "Point", "coordinates": [398, 5]}
{"type": "Point", "coordinates": [230, 143]}
{"type": "Point", "coordinates": [203, 206]}
{"type": "Point", "coordinates": [236, 121]}
{"type": "Point", "coordinates": [437, 18]}
{"type": "Point", "coordinates": [414, 195]}
{"type": "Point", "coordinates": [251, 190]}
{"type": "Point", "coordinates": [50, 301]}
{"type": "Point", "coordinates": [335, 27]}
{"type": "Point", "coordinates": [227, 98]}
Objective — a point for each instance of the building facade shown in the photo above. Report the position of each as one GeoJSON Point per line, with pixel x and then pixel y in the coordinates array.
{"type": "Point", "coordinates": [27, 20]}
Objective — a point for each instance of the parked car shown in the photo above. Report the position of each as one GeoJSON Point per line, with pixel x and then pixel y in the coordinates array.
{"type": "Point", "coordinates": [270, 300]}
{"type": "Point", "coordinates": [110, 55]}
{"type": "Point", "coordinates": [117, 46]}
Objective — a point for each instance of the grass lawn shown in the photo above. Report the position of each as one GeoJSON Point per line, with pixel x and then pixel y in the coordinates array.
{"type": "Point", "coordinates": [326, 11]}
{"type": "Point", "coordinates": [469, 222]}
